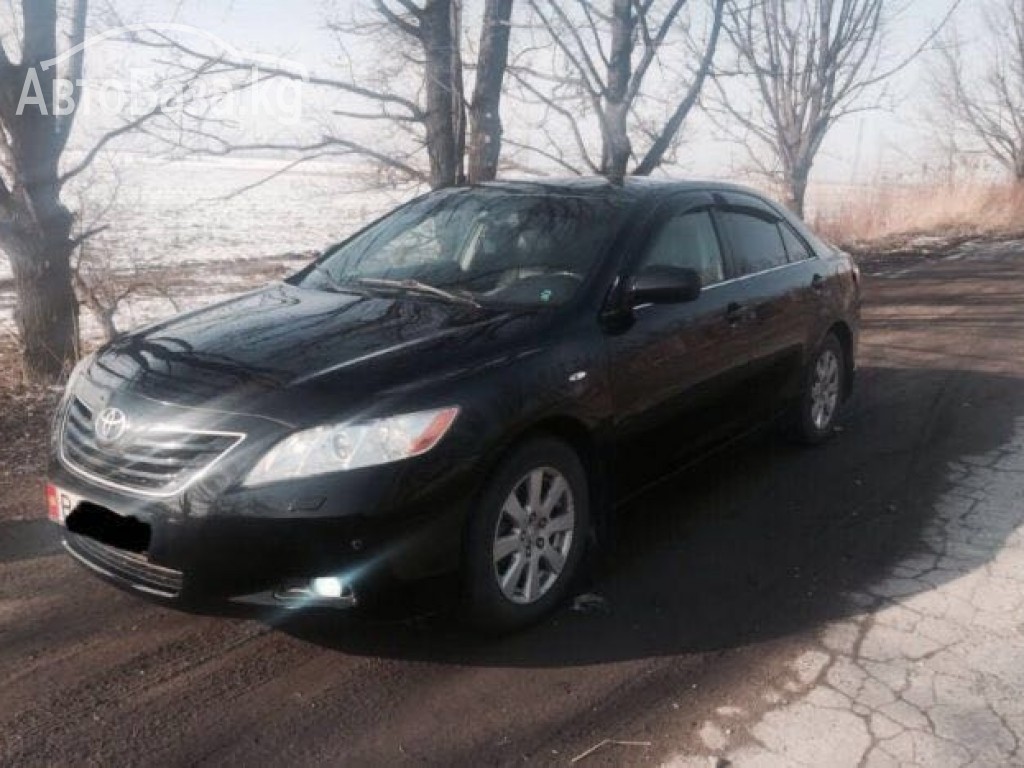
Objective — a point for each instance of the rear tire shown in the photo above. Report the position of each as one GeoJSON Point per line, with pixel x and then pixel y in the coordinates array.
{"type": "Point", "coordinates": [814, 418]}
{"type": "Point", "coordinates": [525, 541]}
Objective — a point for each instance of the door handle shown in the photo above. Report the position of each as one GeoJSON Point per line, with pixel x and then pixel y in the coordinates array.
{"type": "Point", "coordinates": [817, 283]}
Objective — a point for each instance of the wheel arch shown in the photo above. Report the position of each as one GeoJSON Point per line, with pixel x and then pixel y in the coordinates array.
{"type": "Point", "coordinates": [577, 435]}
{"type": "Point", "coordinates": [844, 334]}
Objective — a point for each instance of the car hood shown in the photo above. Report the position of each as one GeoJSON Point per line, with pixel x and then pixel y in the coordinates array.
{"type": "Point", "coordinates": [243, 354]}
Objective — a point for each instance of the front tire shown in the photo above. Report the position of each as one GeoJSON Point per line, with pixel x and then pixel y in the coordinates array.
{"type": "Point", "coordinates": [822, 393]}
{"type": "Point", "coordinates": [525, 541]}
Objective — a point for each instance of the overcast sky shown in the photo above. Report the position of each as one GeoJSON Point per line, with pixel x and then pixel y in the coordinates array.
{"type": "Point", "coordinates": [884, 141]}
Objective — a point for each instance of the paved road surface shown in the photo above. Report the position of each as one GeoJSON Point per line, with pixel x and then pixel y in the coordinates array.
{"type": "Point", "coordinates": [856, 604]}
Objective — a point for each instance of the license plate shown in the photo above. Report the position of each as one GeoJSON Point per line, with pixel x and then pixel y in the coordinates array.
{"type": "Point", "coordinates": [60, 503]}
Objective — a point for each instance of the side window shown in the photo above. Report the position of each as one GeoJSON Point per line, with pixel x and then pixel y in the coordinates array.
{"type": "Point", "coordinates": [756, 242]}
{"type": "Point", "coordinates": [688, 241]}
{"type": "Point", "coordinates": [795, 247]}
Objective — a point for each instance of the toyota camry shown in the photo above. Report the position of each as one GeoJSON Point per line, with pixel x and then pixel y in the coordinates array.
{"type": "Point", "coordinates": [471, 385]}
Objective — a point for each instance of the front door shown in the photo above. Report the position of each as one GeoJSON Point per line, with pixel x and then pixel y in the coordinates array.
{"type": "Point", "coordinates": [675, 368]}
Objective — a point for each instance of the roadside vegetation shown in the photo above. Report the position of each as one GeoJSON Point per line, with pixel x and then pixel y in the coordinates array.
{"type": "Point", "coordinates": [886, 217]}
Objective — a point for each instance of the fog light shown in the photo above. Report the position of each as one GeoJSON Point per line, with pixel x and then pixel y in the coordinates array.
{"type": "Point", "coordinates": [327, 586]}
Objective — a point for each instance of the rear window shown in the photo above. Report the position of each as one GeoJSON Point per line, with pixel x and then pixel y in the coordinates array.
{"type": "Point", "coordinates": [795, 247]}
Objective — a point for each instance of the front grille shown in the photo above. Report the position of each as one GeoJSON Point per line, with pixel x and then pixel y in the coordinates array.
{"type": "Point", "coordinates": [151, 462]}
{"type": "Point", "coordinates": [129, 567]}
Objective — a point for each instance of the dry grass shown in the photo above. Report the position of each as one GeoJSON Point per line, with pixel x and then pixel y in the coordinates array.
{"type": "Point", "coordinates": [867, 214]}
{"type": "Point", "coordinates": [25, 413]}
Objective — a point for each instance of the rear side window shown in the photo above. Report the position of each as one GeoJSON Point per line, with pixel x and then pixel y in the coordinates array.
{"type": "Point", "coordinates": [756, 242]}
{"type": "Point", "coordinates": [688, 240]}
{"type": "Point", "coordinates": [795, 247]}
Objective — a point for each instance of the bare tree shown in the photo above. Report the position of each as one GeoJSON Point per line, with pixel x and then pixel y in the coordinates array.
{"type": "Point", "coordinates": [600, 70]}
{"type": "Point", "coordinates": [40, 95]}
{"type": "Point", "coordinates": [436, 28]}
{"type": "Point", "coordinates": [35, 227]}
{"type": "Point", "coordinates": [108, 276]}
{"type": "Point", "coordinates": [100, 288]}
{"type": "Point", "coordinates": [106, 282]}
{"type": "Point", "coordinates": [985, 103]}
{"type": "Point", "coordinates": [423, 42]}
{"type": "Point", "coordinates": [812, 62]}
{"type": "Point", "coordinates": [485, 123]}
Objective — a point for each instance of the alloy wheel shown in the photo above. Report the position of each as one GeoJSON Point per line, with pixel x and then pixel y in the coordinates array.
{"type": "Point", "coordinates": [825, 389]}
{"type": "Point", "coordinates": [534, 535]}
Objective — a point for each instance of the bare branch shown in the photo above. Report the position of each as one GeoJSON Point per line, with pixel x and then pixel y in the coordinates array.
{"type": "Point", "coordinates": [652, 43]}
{"type": "Point", "coordinates": [414, 30]}
{"type": "Point", "coordinates": [288, 167]}
{"type": "Point", "coordinates": [89, 233]}
{"type": "Point", "coordinates": [206, 59]}
{"type": "Point", "coordinates": [326, 143]}
{"type": "Point", "coordinates": [577, 55]}
{"type": "Point", "coordinates": [126, 128]}
{"type": "Point", "coordinates": [556, 159]}
{"type": "Point", "coordinates": [628, 39]}
{"type": "Point", "coordinates": [986, 102]}
{"type": "Point", "coordinates": [811, 62]}
{"type": "Point", "coordinates": [565, 113]}
{"type": "Point", "coordinates": [660, 144]}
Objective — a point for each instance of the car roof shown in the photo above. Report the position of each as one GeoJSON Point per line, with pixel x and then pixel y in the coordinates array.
{"type": "Point", "coordinates": [632, 187]}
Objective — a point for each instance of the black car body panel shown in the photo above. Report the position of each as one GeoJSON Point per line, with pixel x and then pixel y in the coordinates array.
{"type": "Point", "coordinates": [635, 390]}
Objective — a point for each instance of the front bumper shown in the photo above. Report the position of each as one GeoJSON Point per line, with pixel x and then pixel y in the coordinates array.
{"type": "Point", "coordinates": [265, 546]}
{"type": "Point", "coordinates": [129, 569]}
{"type": "Point", "coordinates": [216, 540]}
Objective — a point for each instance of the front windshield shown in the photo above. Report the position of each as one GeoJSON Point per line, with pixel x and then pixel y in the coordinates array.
{"type": "Point", "coordinates": [477, 245]}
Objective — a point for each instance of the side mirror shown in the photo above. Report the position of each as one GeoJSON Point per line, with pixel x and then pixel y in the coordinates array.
{"type": "Point", "coordinates": [665, 285]}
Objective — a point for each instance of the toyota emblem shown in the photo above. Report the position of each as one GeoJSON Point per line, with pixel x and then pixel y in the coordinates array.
{"type": "Point", "coordinates": [110, 425]}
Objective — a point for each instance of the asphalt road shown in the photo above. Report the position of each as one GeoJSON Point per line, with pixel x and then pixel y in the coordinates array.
{"type": "Point", "coordinates": [857, 603]}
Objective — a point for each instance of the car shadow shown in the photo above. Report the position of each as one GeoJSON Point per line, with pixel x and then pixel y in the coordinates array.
{"type": "Point", "coordinates": [760, 541]}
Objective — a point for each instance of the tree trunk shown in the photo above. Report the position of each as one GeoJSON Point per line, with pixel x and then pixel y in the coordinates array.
{"type": "Point", "coordinates": [40, 251]}
{"type": "Point", "coordinates": [35, 227]}
{"type": "Point", "coordinates": [442, 144]}
{"type": "Point", "coordinates": [485, 111]}
{"type": "Point", "coordinates": [47, 311]}
{"type": "Point", "coordinates": [617, 149]}
{"type": "Point", "coordinates": [796, 189]}
{"type": "Point", "coordinates": [458, 91]}
{"type": "Point", "coordinates": [614, 123]}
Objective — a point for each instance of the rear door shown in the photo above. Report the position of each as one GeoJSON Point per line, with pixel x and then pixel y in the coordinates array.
{"type": "Point", "coordinates": [774, 298]}
{"type": "Point", "coordinates": [675, 369]}
{"type": "Point", "coordinates": [820, 286]}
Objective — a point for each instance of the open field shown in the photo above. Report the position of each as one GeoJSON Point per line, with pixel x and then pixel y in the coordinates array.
{"type": "Point", "coordinates": [869, 590]}
{"type": "Point", "coordinates": [184, 225]}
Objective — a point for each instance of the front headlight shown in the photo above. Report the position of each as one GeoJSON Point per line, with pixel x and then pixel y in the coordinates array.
{"type": "Point", "coordinates": [336, 447]}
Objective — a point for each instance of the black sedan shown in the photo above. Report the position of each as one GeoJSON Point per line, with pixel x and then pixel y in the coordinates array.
{"type": "Point", "coordinates": [470, 384]}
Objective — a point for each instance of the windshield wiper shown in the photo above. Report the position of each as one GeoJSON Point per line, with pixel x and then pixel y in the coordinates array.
{"type": "Point", "coordinates": [417, 287]}
{"type": "Point", "coordinates": [337, 285]}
